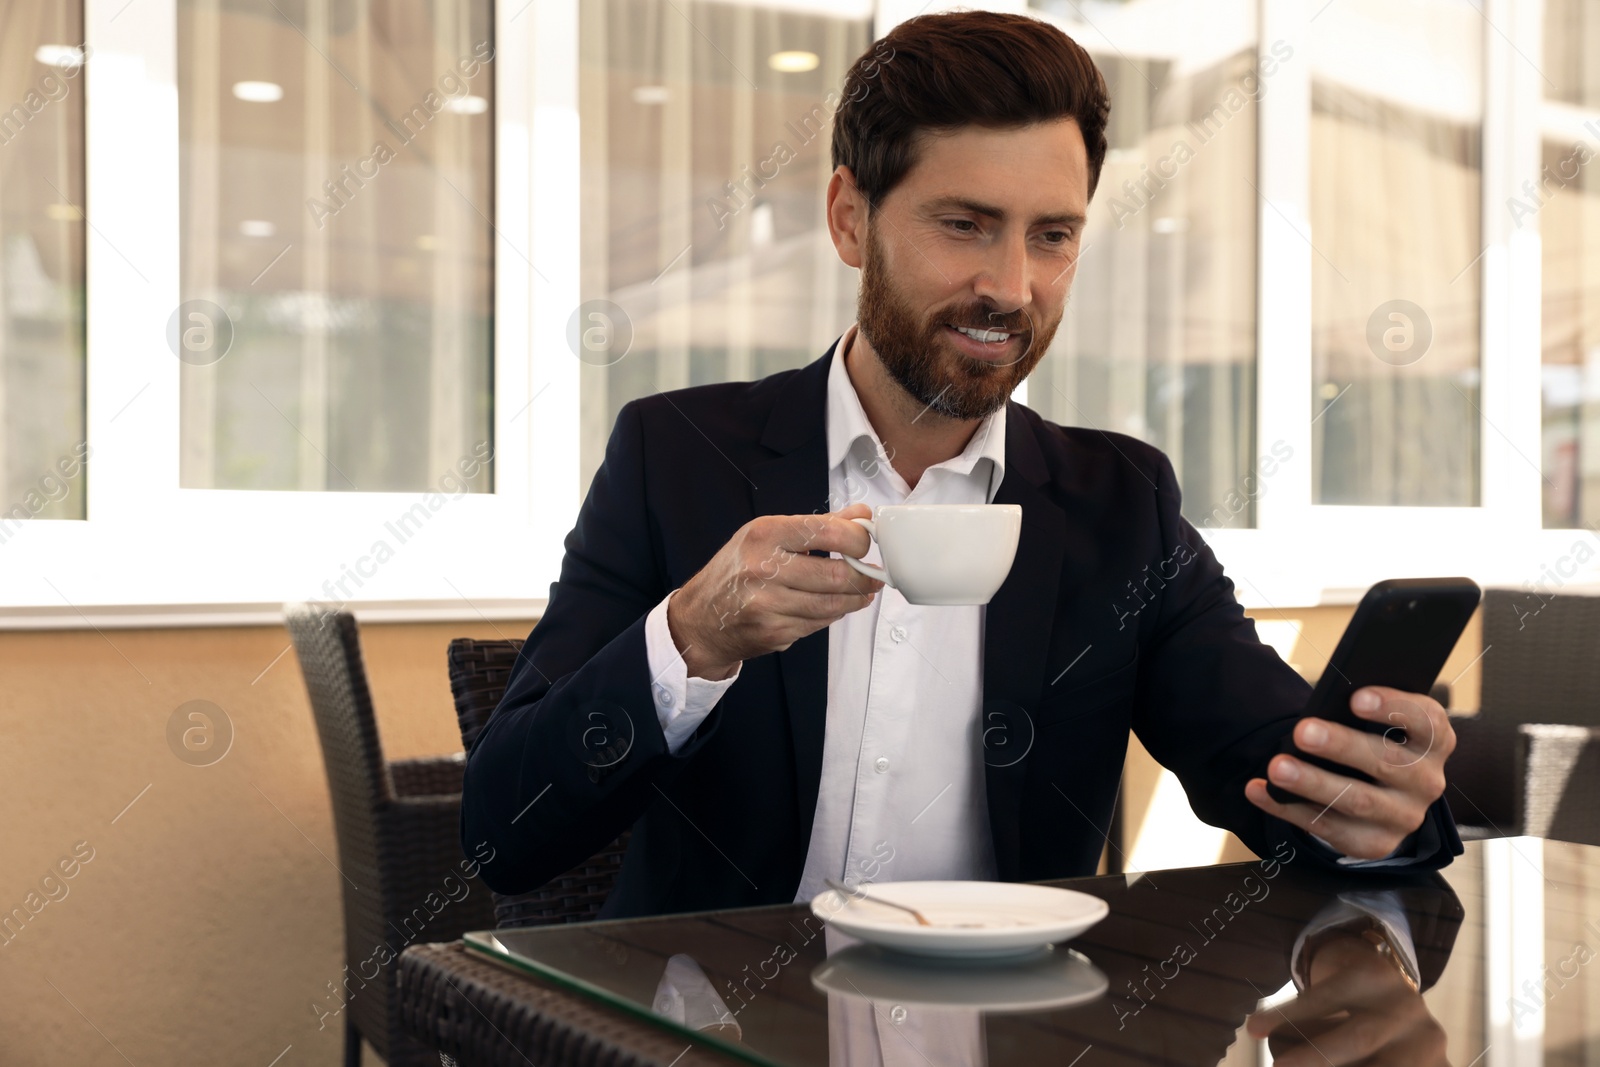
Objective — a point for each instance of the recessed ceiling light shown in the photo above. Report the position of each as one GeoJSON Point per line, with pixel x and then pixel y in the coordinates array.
{"type": "Point", "coordinates": [67, 56]}
{"type": "Point", "coordinates": [62, 212]}
{"type": "Point", "coordinates": [427, 242]}
{"type": "Point", "coordinates": [257, 228]}
{"type": "Point", "coordinates": [793, 62]}
{"type": "Point", "coordinates": [258, 92]}
{"type": "Point", "coordinates": [761, 225]}
{"type": "Point", "coordinates": [650, 94]}
{"type": "Point", "coordinates": [467, 105]}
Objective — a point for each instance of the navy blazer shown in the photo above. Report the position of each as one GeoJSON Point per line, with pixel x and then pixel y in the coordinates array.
{"type": "Point", "coordinates": [1116, 616]}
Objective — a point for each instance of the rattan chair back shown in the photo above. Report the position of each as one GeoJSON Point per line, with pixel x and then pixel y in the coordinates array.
{"type": "Point", "coordinates": [479, 671]}
{"type": "Point", "coordinates": [401, 868]}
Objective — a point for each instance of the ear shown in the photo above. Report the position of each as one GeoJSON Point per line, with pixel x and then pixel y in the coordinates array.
{"type": "Point", "coordinates": [847, 216]}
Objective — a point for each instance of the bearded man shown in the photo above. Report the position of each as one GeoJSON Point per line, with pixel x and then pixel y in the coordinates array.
{"type": "Point", "coordinates": [709, 673]}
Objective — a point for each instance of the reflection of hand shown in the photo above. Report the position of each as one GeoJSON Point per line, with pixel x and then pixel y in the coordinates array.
{"type": "Point", "coordinates": [1406, 762]}
{"type": "Point", "coordinates": [1358, 1008]}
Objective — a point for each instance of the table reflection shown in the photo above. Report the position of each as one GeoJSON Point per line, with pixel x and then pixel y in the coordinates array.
{"type": "Point", "coordinates": [1172, 975]}
{"type": "Point", "coordinates": [1356, 1008]}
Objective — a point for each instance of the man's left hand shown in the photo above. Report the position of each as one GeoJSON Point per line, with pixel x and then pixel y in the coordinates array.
{"type": "Point", "coordinates": [1362, 820]}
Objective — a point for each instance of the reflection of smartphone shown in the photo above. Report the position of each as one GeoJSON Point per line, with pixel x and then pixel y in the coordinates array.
{"type": "Point", "coordinates": [1400, 636]}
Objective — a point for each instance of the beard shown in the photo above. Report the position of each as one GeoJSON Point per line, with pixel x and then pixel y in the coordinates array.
{"type": "Point", "coordinates": [921, 357]}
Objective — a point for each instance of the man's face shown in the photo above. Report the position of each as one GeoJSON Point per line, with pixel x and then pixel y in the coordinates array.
{"type": "Point", "coordinates": [982, 233]}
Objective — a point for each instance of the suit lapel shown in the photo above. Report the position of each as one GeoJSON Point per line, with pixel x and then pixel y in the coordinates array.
{"type": "Point", "coordinates": [796, 483]}
{"type": "Point", "coordinates": [1016, 641]}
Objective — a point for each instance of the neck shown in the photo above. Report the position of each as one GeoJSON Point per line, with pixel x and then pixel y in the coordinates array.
{"type": "Point", "coordinates": [914, 436]}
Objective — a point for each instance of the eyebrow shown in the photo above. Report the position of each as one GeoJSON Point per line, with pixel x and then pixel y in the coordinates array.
{"type": "Point", "coordinates": [977, 207]}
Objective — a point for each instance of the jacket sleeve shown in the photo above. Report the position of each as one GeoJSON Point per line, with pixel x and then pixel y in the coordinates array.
{"type": "Point", "coordinates": [1214, 702]}
{"type": "Point", "coordinates": [574, 753]}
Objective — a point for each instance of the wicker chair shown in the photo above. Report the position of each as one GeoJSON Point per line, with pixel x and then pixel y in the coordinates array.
{"type": "Point", "coordinates": [1560, 782]}
{"type": "Point", "coordinates": [398, 827]}
{"type": "Point", "coordinates": [1515, 768]}
{"type": "Point", "coordinates": [479, 671]}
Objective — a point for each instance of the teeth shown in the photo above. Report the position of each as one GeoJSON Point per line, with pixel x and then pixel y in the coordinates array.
{"type": "Point", "coordinates": [987, 336]}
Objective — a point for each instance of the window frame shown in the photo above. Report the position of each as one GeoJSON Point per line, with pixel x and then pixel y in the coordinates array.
{"type": "Point", "coordinates": [1301, 554]}
{"type": "Point", "coordinates": [493, 555]}
{"type": "Point", "coordinates": [145, 540]}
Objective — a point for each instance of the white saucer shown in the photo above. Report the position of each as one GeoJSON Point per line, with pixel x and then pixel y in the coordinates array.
{"type": "Point", "coordinates": [1048, 979]}
{"type": "Point", "coordinates": [973, 919]}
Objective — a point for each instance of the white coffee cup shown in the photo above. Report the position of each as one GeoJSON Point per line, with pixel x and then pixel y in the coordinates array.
{"type": "Point", "coordinates": [943, 554]}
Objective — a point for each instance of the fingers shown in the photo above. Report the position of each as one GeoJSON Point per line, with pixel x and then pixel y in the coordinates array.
{"type": "Point", "coordinates": [1351, 1040]}
{"type": "Point", "coordinates": [1362, 981]}
{"type": "Point", "coordinates": [1418, 728]}
{"type": "Point", "coordinates": [802, 587]}
{"type": "Point", "coordinates": [809, 574]}
{"type": "Point", "coordinates": [1326, 816]}
{"type": "Point", "coordinates": [1362, 1007]}
{"type": "Point", "coordinates": [1406, 763]}
{"type": "Point", "coordinates": [832, 532]}
{"type": "Point", "coordinates": [1366, 752]}
{"type": "Point", "coordinates": [815, 607]}
{"type": "Point", "coordinates": [1362, 801]}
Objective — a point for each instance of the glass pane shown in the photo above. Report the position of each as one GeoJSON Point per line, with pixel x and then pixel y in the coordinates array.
{"type": "Point", "coordinates": [1159, 339]}
{"type": "Point", "coordinates": [705, 165]}
{"type": "Point", "coordinates": [43, 447]}
{"type": "Point", "coordinates": [337, 271]}
{"type": "Point", "coordinates": [1566, 200]}
{"type": "Point", "coordinates": [1396, 203]}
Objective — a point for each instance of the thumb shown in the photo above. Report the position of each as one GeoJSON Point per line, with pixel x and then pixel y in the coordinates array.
{"type": "Point", "coordinates": [855, 511]}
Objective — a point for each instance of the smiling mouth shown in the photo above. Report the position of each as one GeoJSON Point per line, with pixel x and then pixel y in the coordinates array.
{"type": "Point", "coordinates": [986, 336]}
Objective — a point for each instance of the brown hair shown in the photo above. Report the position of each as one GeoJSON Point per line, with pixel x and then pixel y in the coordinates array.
{"type": "Point", "coordinates": [945, 71]}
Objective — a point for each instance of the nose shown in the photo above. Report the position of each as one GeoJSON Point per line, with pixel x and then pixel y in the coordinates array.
{"type": "Point", "coordinates": [1005, 278]}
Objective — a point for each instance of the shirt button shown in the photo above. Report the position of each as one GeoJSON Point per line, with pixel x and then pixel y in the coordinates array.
{"type": "Point", "coordinates": [898, 634]}
{"type": "Point", "coordinates": [882, 764]}
{"type": "Point", "coordinates": [665, 695]}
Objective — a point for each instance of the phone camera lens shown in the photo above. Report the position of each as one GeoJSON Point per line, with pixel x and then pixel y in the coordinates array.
{"type": "Point", "coordinates": [1411, 606]}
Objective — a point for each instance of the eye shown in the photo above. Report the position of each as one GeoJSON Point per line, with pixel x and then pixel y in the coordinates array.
{"type": "Point", "coordinates": [1059, 237]}
{"type": "Point", "coordinates": [960, 222]}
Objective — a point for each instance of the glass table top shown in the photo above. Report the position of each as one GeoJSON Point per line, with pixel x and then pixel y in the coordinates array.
{"type": "Point", "coordinates": [1500, 942]}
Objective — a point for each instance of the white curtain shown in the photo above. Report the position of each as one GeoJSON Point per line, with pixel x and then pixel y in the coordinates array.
{"type": "Point", "coordinates": [346, 229]}
{"type": "Point", "coordinates": [41, 259]}
{"type": "Point", "coordinates": [678, 100]}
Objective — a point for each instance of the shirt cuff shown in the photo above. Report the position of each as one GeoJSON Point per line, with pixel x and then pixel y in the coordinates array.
{"type": "Point", "coordinates": [1404, 856]}
{"type": "Point", "coordinates": [682, 703]}
{"type": "Point", "coordinates": [1383, 905]}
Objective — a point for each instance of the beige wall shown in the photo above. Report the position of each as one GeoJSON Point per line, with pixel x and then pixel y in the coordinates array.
{"type": "Point", "coordinates": [208, 921]}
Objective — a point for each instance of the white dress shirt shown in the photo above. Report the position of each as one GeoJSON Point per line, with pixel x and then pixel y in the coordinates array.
{"type": "Point", "coordinates": [902, 788]}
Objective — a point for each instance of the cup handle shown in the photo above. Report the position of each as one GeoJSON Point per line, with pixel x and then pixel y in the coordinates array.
{"type": "Point", "coordinates": [867, 568]}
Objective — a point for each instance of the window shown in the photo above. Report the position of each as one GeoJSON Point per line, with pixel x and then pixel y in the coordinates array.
{"type": "Point", "coordinates": [1564, 203]}
{"type": "Point", "coordinates": [1396, 203]}
{"type": "Point", "coordinates": [43, 447]}
{"type": "Point", "coordinates": [1159, 338]}
{"type": "Point", "coordinates": [337, 249]}
{"type": "Point", "coordinates": [706, 129]}
{"type": "Point", "coordinates": [380, 237]}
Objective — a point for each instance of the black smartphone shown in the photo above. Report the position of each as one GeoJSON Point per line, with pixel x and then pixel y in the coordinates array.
{"type": "Point", "coordinates": [1401, 634]}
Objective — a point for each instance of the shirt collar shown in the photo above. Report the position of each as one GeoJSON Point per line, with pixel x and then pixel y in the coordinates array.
{"type": "Point", "coordinates": [848, 427]}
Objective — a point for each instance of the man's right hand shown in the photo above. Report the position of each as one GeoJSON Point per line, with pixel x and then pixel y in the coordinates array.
{"type": "Point", "coordinates": [761, 592]}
